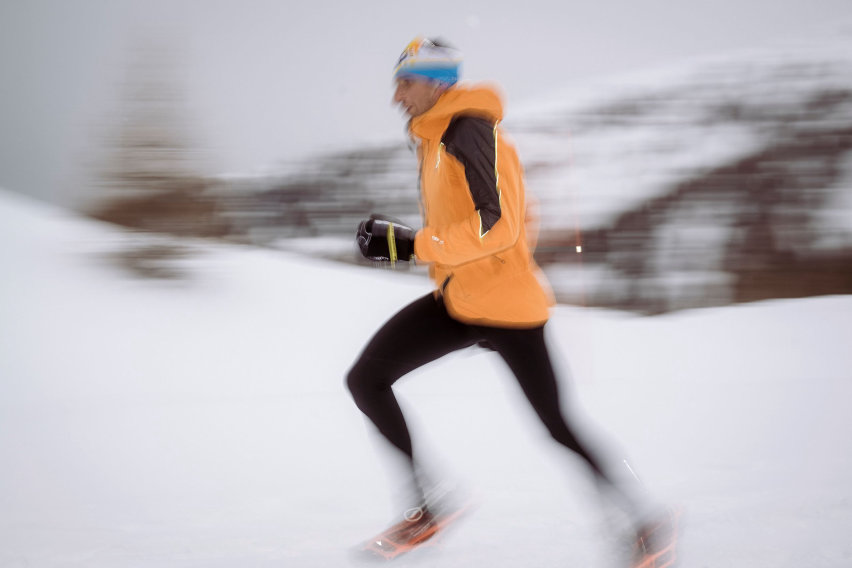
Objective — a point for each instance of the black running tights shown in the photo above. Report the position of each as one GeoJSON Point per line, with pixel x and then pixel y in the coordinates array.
{"type": "Point", "coordinates": [422, 332]}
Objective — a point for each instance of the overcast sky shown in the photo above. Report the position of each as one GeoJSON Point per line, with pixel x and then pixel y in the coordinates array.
{"type": "Point", "coordinates": [265, 81]}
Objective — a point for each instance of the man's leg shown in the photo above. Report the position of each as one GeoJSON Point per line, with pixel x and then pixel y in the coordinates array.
{"type": "Point", "coordinates": [421, 332]}
{"type": "Point", "coordinates": [525, 352]}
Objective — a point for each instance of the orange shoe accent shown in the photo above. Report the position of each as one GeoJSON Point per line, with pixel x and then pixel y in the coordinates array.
{"type": "Point", "coordinates": [410, 533]}
{"type": "Point", "coordinates": [656, 545]}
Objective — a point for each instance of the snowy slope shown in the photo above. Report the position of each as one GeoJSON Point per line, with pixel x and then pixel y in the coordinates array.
{"type": "Point", "coordinates": [203, 421]}
{"type": "Point", "coordinates": [599, 149]}
{"type": "Point", "coordinates": [715, 181]}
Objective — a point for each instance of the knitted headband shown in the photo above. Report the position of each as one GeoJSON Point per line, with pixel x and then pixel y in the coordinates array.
{"type": "Point", "coordinates": [429, 59]}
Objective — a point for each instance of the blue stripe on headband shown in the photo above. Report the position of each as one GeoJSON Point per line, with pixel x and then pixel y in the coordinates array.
{"type": "Point", "coordinates": [448, 74]}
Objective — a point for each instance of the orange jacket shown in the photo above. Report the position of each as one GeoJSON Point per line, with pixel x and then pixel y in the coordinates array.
{"type": "Point", "coordinates": [476, 238]}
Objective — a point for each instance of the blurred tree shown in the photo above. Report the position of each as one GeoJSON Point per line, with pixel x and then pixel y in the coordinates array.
{"type": "Point", "coordinates": [150, 178]}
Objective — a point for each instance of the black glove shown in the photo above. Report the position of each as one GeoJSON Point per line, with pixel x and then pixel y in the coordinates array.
{"type": "Point", "coordinates": [380, 238]}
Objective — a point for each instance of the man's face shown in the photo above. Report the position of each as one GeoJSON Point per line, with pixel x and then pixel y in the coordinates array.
{"type": "Point", "coordinates": [416, 96]}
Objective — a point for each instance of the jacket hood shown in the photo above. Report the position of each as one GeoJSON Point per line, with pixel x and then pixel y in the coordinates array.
{"type": "Point", "coordinates": [477, 100]}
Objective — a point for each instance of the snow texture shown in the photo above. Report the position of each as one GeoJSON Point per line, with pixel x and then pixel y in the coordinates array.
{"type": "Point", "coordinates": [204, 422]}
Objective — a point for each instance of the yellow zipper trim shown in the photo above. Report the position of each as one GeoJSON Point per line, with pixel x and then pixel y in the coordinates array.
{"type": "Point", "coordinates": [391, 245]}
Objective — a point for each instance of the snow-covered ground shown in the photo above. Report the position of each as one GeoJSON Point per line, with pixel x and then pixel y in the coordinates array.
{"type": "Point", "coordinates": [204, 422]}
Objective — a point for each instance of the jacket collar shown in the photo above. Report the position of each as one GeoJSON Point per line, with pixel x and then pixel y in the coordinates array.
{"type": "Point", "coordinates": [477, 100]}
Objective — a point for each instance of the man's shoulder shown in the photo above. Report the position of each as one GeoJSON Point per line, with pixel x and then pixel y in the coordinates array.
{"type": "Point", "coordinates": [469, 135]}
{"type": "Point", "coordinates": [467, 124]}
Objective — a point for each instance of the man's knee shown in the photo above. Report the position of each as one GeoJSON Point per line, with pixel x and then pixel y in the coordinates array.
{"type": "Point", "coordinates": [364, 380]}
{"type": "Point", "coordinates": [355, 381]}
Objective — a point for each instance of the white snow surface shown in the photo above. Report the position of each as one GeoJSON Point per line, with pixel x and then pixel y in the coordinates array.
{"type": "Point", "coordinates": [204, 421]}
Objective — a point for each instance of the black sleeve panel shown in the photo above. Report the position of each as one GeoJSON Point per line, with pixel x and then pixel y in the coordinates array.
{"type": "Point", "coordinates": [471, 141]}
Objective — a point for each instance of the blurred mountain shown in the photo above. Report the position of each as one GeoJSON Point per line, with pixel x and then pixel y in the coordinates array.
{"type": "Point", "coordinates": [725, 182]}
{"type": "Point", "coordinates": [722, 181]}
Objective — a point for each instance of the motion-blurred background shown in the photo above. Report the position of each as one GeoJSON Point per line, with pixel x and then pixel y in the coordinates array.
{"type": "Point", "coordinates": [700, 153]}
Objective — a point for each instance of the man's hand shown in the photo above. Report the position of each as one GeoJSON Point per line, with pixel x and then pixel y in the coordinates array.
{"type": "Point", "coordinates": [383, 239]}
